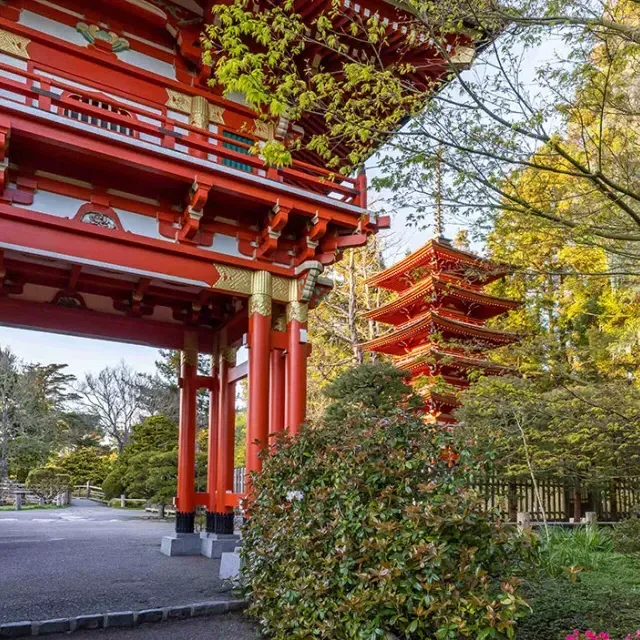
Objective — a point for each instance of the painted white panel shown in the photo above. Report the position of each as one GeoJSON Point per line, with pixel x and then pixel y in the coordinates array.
{"type": "Point", "coordinates": [52, 28]}
{"type": "Point", "coordinates": [225, 244]}
{"type": "Point", "coordinates": [14, 62]}
{"type": "Point", "coordinates": [10, 95]}
{"type": "Point", "coordinates": [55, 204]}
{"type": "Point", "coordinates": [143, 61]}
{"type": "Point", "coordinates": [139, 224]}
{"type": "Point", "coordinates": [178, 116]}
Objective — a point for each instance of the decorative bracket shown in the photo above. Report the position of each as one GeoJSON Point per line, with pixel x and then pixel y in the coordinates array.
{"type": "Point", "coordinates": [197, 199]}
{"type": "Point", "coordinates": [313, 270]}
{"type": "Point", "coordinates": [268, 241]}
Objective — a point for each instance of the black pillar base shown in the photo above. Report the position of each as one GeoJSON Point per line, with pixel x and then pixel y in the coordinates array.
{"type": "Point", "coordinates": [185, 522]}
{"type": "Point", "coordinates": [221, 523]}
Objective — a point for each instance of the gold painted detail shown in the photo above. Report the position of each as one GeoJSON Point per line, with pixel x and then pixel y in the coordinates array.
{"type": "Point", "coordinates": [216, 114]}
{"type": "Point", "coordinates": [260, 303]}
{"type": "Point", "coordinates": [14, 44]}
{"type": "Point", "coordinates": [261, 283]}
{"type": "Point", "coordinates": [279, 322]}
{"type": "Point", "coordinates": [281, 289]}
{"type": "Point", "coordinates": [178, 101]}
{"type": "Point", "coordinates": [233, 279]}
{"type": "Point", "coordinates": [297, 311]}
{"type": "Point", "coordinates": [199, 116]}
{"type": "Point", "coordinates": [189, 355]}
{"type": "Point", "coordinates": [263, 130]}
{"type": "Point", "coordinates": [229, 355]}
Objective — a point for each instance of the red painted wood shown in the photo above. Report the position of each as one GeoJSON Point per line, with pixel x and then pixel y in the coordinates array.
{"type": "Point", "coordinates": [277, 392]}
{"type": "Point", "coordinates": [296, 378]}
{"type": "Point", "coordinates": [258, 409]}
{"type": "Point", "coordinates": [186, 499]}
{"type": "Point", "coordinates": [87, 323]}
{"type": "Point", "coordinates": [212, 444]}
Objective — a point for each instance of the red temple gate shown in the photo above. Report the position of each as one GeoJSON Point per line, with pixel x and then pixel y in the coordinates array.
{"type": "Point", "coordinates": [132, 210]}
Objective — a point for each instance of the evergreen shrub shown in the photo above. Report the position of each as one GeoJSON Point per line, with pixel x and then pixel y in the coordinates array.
{"type": "Point", "coordinates": [626, 536]}
{"type": "Point", "coordinates": [363, 526]}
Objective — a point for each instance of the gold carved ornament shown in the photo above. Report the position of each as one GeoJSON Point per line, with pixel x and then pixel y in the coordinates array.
{"type": "Point", "coordinates": [260, 301]}
{"type": "Point", "coordinates": [233, 279]}
{"type": "Point", "coordinates": [14, 45]}
{"type": "Point", "coordinates": [297, 311]}
{"type": "Point", "coordinates": [196, 106]}
{"type": "Point", "coordinates": [279, 322]}
{"type": "Point", "coordinates": [229, 355]}
{"type": "Point", "coordinates": [189, 355]}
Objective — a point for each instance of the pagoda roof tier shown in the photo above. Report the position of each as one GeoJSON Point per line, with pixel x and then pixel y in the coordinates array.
{"type": "Point", "coordinates": [418, 331]}
{"type": "Point", "coordinates": [441, 361]}
{"type": "Point", "coordinates": [440, 290]}
{"type": "Point", "coordinates": [439, 256]}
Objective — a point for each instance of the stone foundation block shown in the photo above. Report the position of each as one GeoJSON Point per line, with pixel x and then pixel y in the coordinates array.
{"type": "Point", "coordinates": [181, 544]}
{"type": "Point", "coordinates": [230, 565]}
{"type": "Point", "coordinates": [215, 544]}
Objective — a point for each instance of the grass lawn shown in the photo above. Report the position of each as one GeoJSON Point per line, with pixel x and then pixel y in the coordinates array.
{"type": "Point", "coordinates": [606, 598]}
{"type": "Point", "coordinates": [30, 507]}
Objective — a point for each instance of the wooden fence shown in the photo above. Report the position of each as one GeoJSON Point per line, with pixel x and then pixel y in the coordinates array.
{"type": "Point", "coordinates": [89, 491]}
{"type": "Point", "coordinates": [562, 499]}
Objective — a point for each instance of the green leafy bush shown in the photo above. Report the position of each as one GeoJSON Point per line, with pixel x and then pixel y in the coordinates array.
{"type": "Point", "coordinates": [363, 526]}
{"type": "Point", "coordinates": [129, 503]}
{"type": "Point", "coordinates": [47, 482]}
{"type": "Point", "coordinates": [86, 464]}
{"type": "Point", "coordinates": [113, 485]}
{"type": "Point", "coordinates": [626, 536]}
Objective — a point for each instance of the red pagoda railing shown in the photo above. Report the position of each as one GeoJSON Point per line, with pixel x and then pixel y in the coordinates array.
{"type": "Point", "coordinates": [150, 124]}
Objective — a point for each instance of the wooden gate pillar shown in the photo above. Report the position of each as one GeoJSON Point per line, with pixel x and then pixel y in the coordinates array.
{"type": "Point", "coordinates": [297, 316]}
{"type": "Point", "coordinates": [212, 445]}
{"type": "Point", "coordinates": [221, 521]}
{"type": "Point", "coordinates": [260, 305]}
{"type": "Point", "coordinates": [186, 498]}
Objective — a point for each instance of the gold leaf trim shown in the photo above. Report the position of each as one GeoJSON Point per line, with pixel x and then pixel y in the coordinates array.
{"type": "Point", "coordinates": [216, 114]}
{"type": "Point", "coordinates": [199, 115]}
{"type": "Point", "coordinates": [280, 289]}
{"type": "Point", "coordinates": [263, 130]}
{"type": "Point", "coordinates": [14, 44]}
{"type": "Point", "coordinates": [297, 311]}
{"type": "Point", "coordinates": [233, 279]}
{"type": "Point", "coordinates": [178, 101]}
{"type": "Point", "coordinates": [229, 355]}
{"type": "Point", "coordinates": [279, 322]}
{"type": "Point", "coordinates": [261, 283]}
{"type": "Point", "coordinates": [260, 303]}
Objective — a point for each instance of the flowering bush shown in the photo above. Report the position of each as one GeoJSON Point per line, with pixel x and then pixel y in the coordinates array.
{"type": "Point", "coordinates": [361, 527]}
{"type": "Point", "coordinates": [592, 635]}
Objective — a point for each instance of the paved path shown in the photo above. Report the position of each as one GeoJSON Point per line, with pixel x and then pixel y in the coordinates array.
{"type": "Point", "coordinates": [93, 559]}
{"type": "Point", "coordinates": [230, 627]}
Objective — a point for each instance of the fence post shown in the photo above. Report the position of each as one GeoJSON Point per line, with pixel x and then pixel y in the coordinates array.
{"type": "Point", "coordinates": [123, 500]}
{"type": "Point", "coordinates": [19, 496]}
{"type": "Point", "coordinates": [613, 500]}
{"type": "Point", "coordinates": [512, 501]}
{"type": "Point", "coordinates": [524, 520]}
{"type": "Point", "coordinates": [88, 489]}
{"type": "Point", "coordinates": [41, 501]}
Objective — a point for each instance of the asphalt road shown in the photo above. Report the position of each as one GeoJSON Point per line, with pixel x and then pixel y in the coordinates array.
{"type": "Point", "coordinates": [91, 559]}
{"type": "Point", "coordinates": [229, 627]}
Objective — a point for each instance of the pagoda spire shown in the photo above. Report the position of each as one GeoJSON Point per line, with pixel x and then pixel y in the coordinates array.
{"type": "Point", "coordinates": [439, 314]}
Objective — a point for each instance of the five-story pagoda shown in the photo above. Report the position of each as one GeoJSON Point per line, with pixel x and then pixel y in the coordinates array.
{"type": "Point", "coordinates": [440, 313]}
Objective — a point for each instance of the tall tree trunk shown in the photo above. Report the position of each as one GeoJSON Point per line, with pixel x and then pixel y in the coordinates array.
{"type": "Point", "coordinates": [4, 452]}
{"type": "Point", "coordinates": [352, 309]}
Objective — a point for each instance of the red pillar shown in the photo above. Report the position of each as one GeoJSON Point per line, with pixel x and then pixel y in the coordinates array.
{"type": "Point", "coordinates": [212, 449]}
{"type": "Point", "coordinates": [296, 366]}
{"type": "Point", "coordinates": [277, 393]}
{"type": "Point", "coordinates": [259, 368]}
{"type": "Point", "coordinates": [223, 517]}
{"type": "Point", "coordinates": [186, 498]}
